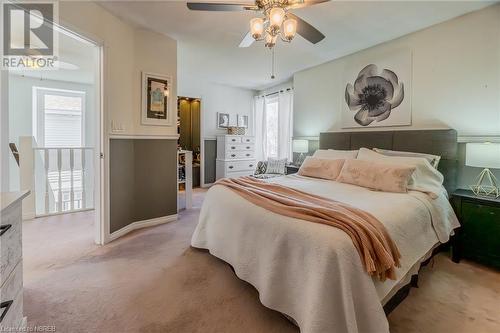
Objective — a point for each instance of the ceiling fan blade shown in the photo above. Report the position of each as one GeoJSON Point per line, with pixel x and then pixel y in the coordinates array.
{"type": "Point", "coordinates": [306, 30]}
{"type": "Point", "coordinates": [247, 40]}
{"type": "Point", "coordinates": [220, 7]}
{"type": "Point", "coordinates": [294, 4]}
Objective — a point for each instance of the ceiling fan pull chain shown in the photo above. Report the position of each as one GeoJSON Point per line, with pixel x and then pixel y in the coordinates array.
{"type": "Point", "coordinates": [273, 60]}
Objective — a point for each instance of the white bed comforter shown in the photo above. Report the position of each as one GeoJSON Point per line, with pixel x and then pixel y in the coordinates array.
{"type": "Point", "coordinates": [312, 272]}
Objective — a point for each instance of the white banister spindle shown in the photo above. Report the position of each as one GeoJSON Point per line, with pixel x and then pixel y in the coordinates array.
{"type": "Point", "coordinates": [84, 168]}
{"type": "Point", "coordinates": [64, 180]}
{"type": "Point", "coordinates": [72, 180]}
{"type": "Point", "coordinates": [46, 162]}
{"type": "Point", "coordinates": [59, 180]}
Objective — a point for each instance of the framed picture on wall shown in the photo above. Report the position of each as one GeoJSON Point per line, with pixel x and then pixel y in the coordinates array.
{"type": "Point", "coordinates": [222, 120]}
{"type": "Point", "coordinates": [378, 92]}
{"type": "Point", "coordinates": [156, 101]}
{"type": "Point", "coordinates": [243, 121]}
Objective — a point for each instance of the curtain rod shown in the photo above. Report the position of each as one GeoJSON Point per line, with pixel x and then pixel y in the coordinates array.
{"type": "Point", "coordinates": [276, 92]}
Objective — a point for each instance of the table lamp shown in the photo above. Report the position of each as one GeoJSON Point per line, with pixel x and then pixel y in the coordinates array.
{"type": "Point", "coordinates": [300, 146]}
{"type": "Point", "coordinates": [484, 155]}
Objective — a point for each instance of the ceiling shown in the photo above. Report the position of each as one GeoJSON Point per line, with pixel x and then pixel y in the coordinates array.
{"type": "Point", "coordinates": [208, 41]}
{"type": "Point", "coordinates": [79, 60]}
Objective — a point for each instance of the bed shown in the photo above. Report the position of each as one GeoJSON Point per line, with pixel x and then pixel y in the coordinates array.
{"type": "Point", "coordinates": [311, 272]}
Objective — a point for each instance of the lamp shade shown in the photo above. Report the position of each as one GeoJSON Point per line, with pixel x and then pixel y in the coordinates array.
{"type": "Point", "coordinates": [483, 155]}
{"type": "Point", "coordinates": [300, 146]}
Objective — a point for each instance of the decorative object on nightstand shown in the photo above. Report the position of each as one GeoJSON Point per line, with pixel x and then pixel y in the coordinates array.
{"type": "Point", "coordinates": [478, 238]}
{"type": "Point", "coordinates": [291, 169]}
{"type": "Point", "coordinates": [302, 147]}
{"type": "Point", "coordinates": [484, 155]}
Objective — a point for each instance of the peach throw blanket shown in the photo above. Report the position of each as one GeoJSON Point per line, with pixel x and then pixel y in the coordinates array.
{"type": "Point", "coordinates": [377, 250]}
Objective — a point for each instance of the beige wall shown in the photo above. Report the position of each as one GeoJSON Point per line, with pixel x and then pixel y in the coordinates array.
{"type": "Point", "coordinates": [456, 79]}
{"type": "Point", "coordinates": [128, 50]}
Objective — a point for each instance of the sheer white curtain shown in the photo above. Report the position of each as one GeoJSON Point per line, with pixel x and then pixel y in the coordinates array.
{"type": "Point", "coordinates": [273, 126]}
{"type": "Point", "coordinates": [260, 128]}
{"type": "Point", "coordinates": [285, 125]}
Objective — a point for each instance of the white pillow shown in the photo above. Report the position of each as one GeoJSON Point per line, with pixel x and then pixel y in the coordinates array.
{"type": "Point", "coordinates": [433, 159]}
{"type": "Point", "coordinates": [425, 178]}
{"type": "Point", "coordinates": [332, 154]}
{"type": "Point", "coordinates": [276, 166]}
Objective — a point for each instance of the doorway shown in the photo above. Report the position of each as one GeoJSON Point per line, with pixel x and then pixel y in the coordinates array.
{"type": "Point", "coordinates": [55, 128]}
{"type": "Point", "coordinates": [189, 130]}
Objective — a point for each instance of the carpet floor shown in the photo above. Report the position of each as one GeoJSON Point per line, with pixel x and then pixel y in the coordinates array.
{"type": "Point", "coordinates": [152, 281]}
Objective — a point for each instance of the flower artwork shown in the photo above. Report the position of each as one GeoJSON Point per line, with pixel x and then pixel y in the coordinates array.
{"type": "Point", "coordinates": [374, 95]}
{"type": "Point", "coordinates": [378, 97]}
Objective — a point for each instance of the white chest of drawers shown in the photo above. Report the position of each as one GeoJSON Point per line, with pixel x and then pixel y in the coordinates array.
{"type": "Point", "coordinates": [235, 156]}
{"type": "Point", "coordinates": [11, 262]}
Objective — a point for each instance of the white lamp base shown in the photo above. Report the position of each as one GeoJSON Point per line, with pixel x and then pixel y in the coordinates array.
{"type": "Point", "coordinates": [488, 190]}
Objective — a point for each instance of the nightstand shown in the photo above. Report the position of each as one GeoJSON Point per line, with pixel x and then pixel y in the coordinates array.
{"type": "Point", "coordinates": [478, 238]}
{"type": "Point", "coordinates": [291, 169]}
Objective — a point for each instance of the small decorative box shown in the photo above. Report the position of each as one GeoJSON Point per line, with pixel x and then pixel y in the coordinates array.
{"type": "Point", "coordinates": [236, 130]}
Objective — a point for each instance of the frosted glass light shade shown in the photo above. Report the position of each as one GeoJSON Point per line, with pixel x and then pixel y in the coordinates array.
{"type": "Point", "coordinates": [289, 28]}
{"type": "Point", "coordinates": [257, 27]}
{"type": "Point", "coordinates": [300, 146]}
{"type": "Point", "coordinates": [276, 16]}
{"type": "Point", "coordinates": [483, 155]}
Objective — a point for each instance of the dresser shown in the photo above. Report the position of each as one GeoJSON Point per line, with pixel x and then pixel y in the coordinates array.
{"type": "Point", "coordinates": [478, 238]}
{"type": "Point", "coordinates": [235, 156]}
{"type": "Point", "coordinates": [11, 258]}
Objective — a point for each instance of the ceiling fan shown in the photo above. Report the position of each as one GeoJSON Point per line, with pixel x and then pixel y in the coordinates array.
{"type": "Point", "coordinates": [276, 21]}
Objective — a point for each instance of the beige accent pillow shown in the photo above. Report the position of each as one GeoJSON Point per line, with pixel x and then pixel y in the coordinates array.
{"type": "Point", "coordinates": [433, 159]}
{"type": "Point", "coordinates": [333, 154]}
{"type": "Point", "coordinates": [376, 176]}
{"type": "Point", "coordinates": [425, 179]}
{"type": "Point", "coordinates": [321, 168]}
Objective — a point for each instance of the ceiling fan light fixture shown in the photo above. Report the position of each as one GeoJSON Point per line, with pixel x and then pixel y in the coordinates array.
{"type": "Point", "coordinates": [289, 29]}
{"type": "Point", "coordinates": [257, 27]}
{"type": "Point", "coordinates": [270, 41]}
{"type": "Point", "coordinates": [276, 16]}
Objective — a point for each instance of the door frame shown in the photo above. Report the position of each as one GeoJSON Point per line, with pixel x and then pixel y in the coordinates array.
{"type": "Point", "coordinates": [101, 200]}
{"type": "Point", "coordinates": [202, 138]}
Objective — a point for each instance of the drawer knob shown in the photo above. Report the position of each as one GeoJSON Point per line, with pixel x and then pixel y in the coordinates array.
{"type": "Point", "coordinates": [230, 167]}
{"type": "Point", "coordinates": [5, 306]}
{"type": "Point", "coordinates": [248, 155]}
{"type": "Point", "coordinates": [251, 165]}
{"type": "Point", "coordinates": [233, 155]}
{"type": "Point", "coordinates": [233, 147]}
{"type": "Point", "coordinates": [4, 228]}
{"type": "Point", "coordinates": [248, 147]}
{"type": "Point", "coordinates": [233, 140]}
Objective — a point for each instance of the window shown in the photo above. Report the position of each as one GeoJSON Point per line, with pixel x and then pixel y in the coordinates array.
{"type": "Point", "coordinates": [59, 117]}
{"type": "Point", "coordinates": [272, 127]}
{"type": "Point", "coordinates": [59, 123]}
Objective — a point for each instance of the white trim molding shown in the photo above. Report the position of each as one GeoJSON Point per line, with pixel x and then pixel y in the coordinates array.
{"type": "Point", "coordinates": [141, 224]}
{"type": "Point", "coordinates": [478, 138]}
{"type": "Point", "coordinates": [143, 136]}
{"type": "Point", "coordinates": [28, 216]}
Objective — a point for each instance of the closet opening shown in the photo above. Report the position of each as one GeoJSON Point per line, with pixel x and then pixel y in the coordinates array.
{"type": "Point", "coordinates": [189, 144]}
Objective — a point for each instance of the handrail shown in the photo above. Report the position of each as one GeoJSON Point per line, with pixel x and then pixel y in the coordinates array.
{"type": "Point", "coordinates": [43, 148]}
{"type": "Point", "coordinates": [15, 152]}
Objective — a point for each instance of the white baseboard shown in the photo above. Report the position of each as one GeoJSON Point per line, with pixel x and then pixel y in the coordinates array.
{"type": "Point", "coordinates": [28, 216]}
{"type": "Point", "coordinates": [141, 224]}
